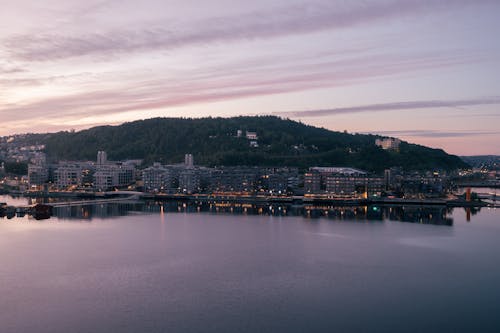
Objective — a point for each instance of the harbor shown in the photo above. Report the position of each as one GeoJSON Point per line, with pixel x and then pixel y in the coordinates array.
{"type": "Point", "coordinates": [42, 207]}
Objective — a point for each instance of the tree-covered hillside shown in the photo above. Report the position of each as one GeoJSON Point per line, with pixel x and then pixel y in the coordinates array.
{"type": "Point", "coordinates": [214, 141]}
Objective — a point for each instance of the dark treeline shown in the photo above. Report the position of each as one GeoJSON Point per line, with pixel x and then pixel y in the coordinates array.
{"type": "Point", "coordinates": [213, 142]}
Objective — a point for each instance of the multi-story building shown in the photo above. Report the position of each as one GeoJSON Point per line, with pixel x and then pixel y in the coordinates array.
{"type": "Point", "coordinates": [341, 181]}
{"type": "Point", "coordinates": [315, 180]}
{"type": "Point", "coordinates": [189, 181]}
{"type": "Point", "coordinates": [188, 161]}
{"type": "Point", "coordinates": [183, 177]}
{"type": "Point", "coordinates": [355, 185]}
{"type": "Point", "coordinates": [37, 175]}
{"type": "Point", "coordinates": [312, 182]}
{"type": "Point", "coordinates": [250, 179]}
{"type": "Point", "coordinates": [157, 178]}
{"type": "Point", "coordinates": [234, 179]}
{"type": "Point", "coordinates": [109, 175]}
{"type": "Point", "coordinates": [102, 157]}
{"type": "Point", "coordinates": [113, 176]}
{"type": "Point", "coordinates": [38, 171]}
{"type": "Point", "coordinates": [68, 175]}
{"type": "Point", "coordinates": [278, 180]}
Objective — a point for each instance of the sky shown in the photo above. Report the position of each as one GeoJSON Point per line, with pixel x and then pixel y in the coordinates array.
{"type": "Point", "coordinates": [424, 71]}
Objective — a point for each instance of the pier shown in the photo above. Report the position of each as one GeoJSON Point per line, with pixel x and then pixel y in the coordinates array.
{"type": "Point", "coordinates": [133, 197]}
{"type": "Point", "coordinates": [43, 211]}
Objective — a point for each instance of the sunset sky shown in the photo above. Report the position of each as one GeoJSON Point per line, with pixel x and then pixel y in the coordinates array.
{"type": "Point", "coordinates": [425, 71]}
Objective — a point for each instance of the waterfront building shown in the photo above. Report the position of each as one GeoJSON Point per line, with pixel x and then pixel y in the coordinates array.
{"type": "Point", "coordinates": [342, 181]}
{"type": "Point", "coordinates": [68, 175]}
{"type": "Point", "coordinates": [338, 171]}
{"type": "Point", "coordinates": [37, 175]}
{"type": "Point", "coordinates": [102, 158]}
{"type": "Point", "coordinates": [157, 178]}
{"type": "Point", "coordinates": [111, 176]}
{"type": "Point", "coordinates": [387, 179]}
{"type": "Point", "coordinates": [354, 186]}
{"type": "Point", "coordinates": [279, 180]}
{"type": "Point", "coordinates": [422, 186]}
{"type": "Point", "coordinates": [189, 181]}
{"type": "Point", "coordinates": [234, 179]}
{"type": "Point", "coordinates": [244, 179]}
{"type": "Point", "coordinates": [315, 180]}
{"type": "Point", "coordinates": [183, 177]}
{"type": "Point", "coordinates": [38, 171]}
{"type": "Point", "coordinates": [312, 182]}
{"type": "Point", "coordinates": [188, 161]}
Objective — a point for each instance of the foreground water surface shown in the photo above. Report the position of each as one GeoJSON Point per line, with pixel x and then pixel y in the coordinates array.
{"type": "Point", "coordinates": [171, 271]}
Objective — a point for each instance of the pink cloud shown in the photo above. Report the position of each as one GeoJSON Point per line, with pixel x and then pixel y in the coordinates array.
{"type": "Point", "coordinates": [270, 23]}
{"type": "Point", "coordinates": [410, 105]}
{"type": "Point", "coordinates": [225, 83]}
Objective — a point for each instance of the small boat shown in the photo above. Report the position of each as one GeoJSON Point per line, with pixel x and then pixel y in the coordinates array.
{"type": "Point", "coordinates": [41, 211]}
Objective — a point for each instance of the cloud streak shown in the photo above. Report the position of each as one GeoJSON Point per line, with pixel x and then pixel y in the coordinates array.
{"type": "Point", "coordinates": [10, 70]}
{"type": "Point", "coordinates": [220, 84]}
{"type": "Point", "coordinates": [275, 22]}
{"type": "Point", "coordinates": [396, 106]}
{"type": "Point", "coordinates": [435, 133]}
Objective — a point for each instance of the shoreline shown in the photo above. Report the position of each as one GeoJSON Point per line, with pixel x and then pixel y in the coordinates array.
{"type": "Point", "coordinates": [247, 198]}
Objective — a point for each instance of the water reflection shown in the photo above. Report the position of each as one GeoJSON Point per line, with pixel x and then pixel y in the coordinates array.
{"type": "Point", "coordinates": [437, 215]}
{"type": "Point", "coordinates": [107, 210]}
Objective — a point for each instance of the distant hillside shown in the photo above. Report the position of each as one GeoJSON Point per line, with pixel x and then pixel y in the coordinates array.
{"type": "Point", "coordinates": [213, 141]}
{"type": "Point", "coordinates": [483, 161]}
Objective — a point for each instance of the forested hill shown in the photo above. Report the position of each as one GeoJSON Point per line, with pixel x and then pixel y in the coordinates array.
{"type": "Point", "coordinates": [214, 141]}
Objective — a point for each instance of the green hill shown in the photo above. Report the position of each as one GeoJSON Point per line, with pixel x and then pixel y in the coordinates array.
{"type": "Point", "coordinates": [213, 141]}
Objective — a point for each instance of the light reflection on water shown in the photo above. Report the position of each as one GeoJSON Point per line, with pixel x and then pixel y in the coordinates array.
{"type": "Point", "coordinates": [109, 210]}
{"type": "Point", "coordinates": [437, 215]}
{"type": "Point", "coordinates": [153, 268]}
{"type": "Point", "coordinates": [15, 200]}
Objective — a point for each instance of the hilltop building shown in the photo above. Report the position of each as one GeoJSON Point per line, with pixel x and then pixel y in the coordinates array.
{"type": "Point", "coordinates": [251, 135]}
{"type": "Point", "coordinates": [388, 143]}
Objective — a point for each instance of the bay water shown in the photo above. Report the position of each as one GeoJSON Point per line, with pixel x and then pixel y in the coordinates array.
{"type": "Point", "coordinates": [161, 270]}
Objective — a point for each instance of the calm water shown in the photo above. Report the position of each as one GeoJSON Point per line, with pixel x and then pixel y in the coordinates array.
{"type": "Point", "coordinates": [205, 272]}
